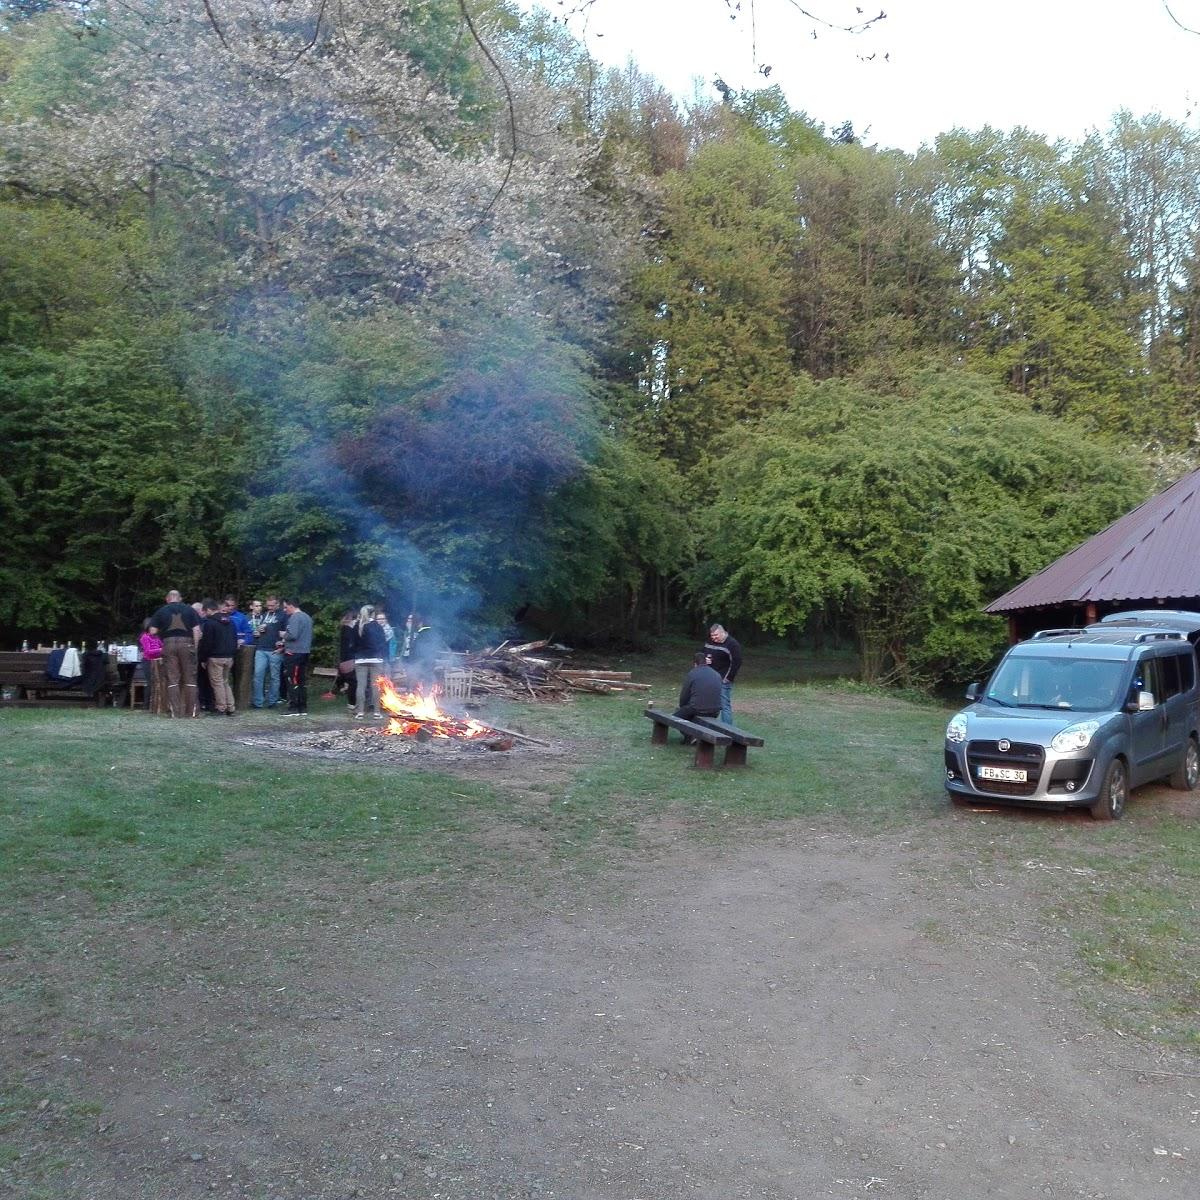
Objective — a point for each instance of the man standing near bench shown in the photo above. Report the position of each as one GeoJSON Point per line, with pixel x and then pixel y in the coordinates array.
{"type": "Point", "coordinates": [179, 627]}
{"type": "Point", "coordinates": [725, 654]}
{"type": "Point", "coordinates": [701, 693]}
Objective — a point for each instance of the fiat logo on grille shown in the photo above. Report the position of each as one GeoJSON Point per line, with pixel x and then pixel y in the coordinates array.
{"type": "Point", "coordinates": [1004, 745]}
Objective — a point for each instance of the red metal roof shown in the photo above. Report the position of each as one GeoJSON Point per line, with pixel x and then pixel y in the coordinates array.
{"type": "Point", "coordinates": [1152, 553]}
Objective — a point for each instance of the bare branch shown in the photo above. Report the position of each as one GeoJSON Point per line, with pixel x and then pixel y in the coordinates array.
{"type": "Point", "coordinates": [212, 20]}
{"type": "Point", "coordinates": [312, 41]}
{"type": "Point", "coordinates": [1185, 28]}
{"type": "Point", "coordinates": [512, 109]}
{"type": "Point", "coordinates": [856, 27]}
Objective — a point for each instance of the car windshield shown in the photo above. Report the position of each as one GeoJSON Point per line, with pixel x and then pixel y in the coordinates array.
{"type": "Point", "coordinates": [1073, 684]}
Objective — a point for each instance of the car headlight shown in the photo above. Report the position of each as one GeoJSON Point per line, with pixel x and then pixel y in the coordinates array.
{"type": "Point", "coordinates": [1075, 737]}
{"type": "Point", "coordinates": [956, 731]}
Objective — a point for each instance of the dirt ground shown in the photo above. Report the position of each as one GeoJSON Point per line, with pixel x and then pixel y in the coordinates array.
{"type": "Point", "coordinates": [803, 1016]}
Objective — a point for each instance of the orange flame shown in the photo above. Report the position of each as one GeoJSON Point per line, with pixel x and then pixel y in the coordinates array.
{"type": "Point", "coordinates": [413, 712]}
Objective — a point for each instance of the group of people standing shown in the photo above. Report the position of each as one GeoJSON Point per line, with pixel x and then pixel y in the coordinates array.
{"type": "Point", "coordinates": [367, 647]}
{"type": "Point", "coordinates": [190, 651]}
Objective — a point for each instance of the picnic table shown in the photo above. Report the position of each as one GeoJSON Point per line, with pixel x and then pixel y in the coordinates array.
{"type": "Point", "coordinates": [24, 672]}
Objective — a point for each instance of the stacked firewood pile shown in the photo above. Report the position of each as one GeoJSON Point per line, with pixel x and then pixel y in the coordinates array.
{"type": "Point", "coordinates": [536, 670]}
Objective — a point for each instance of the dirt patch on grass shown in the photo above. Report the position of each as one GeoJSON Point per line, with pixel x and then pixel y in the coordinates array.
{"type": "Point", "coordinates": [801, 1016]}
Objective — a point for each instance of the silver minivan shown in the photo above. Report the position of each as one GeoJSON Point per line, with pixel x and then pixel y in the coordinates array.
{"type": "Point", "coordinates": [1076, 717]}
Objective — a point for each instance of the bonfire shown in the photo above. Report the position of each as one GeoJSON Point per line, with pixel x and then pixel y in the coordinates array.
{"type": "Point", "coordinates": [413, 714]}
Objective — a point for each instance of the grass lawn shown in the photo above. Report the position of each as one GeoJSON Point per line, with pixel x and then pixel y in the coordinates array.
{"type": "Point", "coordinates": [111, 817]}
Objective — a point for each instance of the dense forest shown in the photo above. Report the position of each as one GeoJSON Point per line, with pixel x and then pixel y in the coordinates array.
{"type": "Point", "coordinates": [416, 301]}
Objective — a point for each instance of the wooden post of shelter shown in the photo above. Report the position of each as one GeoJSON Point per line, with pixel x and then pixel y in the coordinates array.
{"type": "Point", "coordinates": [243, 679]}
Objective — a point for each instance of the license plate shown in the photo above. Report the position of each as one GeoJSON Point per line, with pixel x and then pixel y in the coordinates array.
{"type": "Point", "coordinates": [1007, 774]}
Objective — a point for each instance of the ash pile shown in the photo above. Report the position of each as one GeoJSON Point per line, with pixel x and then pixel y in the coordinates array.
{"type": "Point", "coordinates": [376, 743]}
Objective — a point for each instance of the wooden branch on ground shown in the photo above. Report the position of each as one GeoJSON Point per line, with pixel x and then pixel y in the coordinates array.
{"type": "Point", "coordinates": [523, 736]}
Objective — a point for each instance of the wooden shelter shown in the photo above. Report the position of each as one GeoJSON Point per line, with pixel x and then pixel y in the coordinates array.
{"type": "Point", "coordinates": [1148, 558]}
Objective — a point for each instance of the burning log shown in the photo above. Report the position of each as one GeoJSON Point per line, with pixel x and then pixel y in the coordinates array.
{"type": "Point", "coordinates": [416, 715]}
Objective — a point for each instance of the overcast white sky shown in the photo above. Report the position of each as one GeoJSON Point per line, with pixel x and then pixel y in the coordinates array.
{"type": "Point", "coordinates": [1059, 67]}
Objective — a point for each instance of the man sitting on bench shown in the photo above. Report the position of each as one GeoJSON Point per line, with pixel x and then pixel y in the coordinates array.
{"type": "Point", "coordinates": [701, 694]}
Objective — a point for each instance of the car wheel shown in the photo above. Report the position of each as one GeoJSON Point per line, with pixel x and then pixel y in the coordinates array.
{"type": "Point", "coordinates": [1187, 775]}
{"type": "Point", "coordinates": [1110, 804]}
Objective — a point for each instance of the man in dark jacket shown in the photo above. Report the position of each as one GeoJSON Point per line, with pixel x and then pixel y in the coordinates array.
{"type": "Point", "coordinates": [701, 693]}
{"type": "Point", "coordinates": [725, 653]}
{"type": "Point", "coordinates": [347, 644]}
{"type": "Point", "coordinates": [216, 652]}
{"type": "Point", "coordinates": [179, 627]}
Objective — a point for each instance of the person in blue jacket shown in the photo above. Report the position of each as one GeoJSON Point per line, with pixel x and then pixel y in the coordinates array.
{"type": "Point", "coordinates": [241, 622]}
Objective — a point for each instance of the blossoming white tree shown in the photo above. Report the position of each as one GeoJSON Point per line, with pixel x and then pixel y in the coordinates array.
{"type": "Point", "coordinates": [361, 151]}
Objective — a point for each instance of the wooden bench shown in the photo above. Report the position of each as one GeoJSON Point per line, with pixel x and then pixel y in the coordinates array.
{"type": "Point", "coordinates": [739, 740]}
{"type": "Point", "coordinates": [706, 739]}
{"type": "Point", "coordinates": [25, 672]}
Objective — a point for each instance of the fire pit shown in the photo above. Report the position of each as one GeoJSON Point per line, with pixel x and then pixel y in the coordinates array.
{"type": "Point", "coordinates": [417, 728]}
{"type": "Point", "coordinates": [375, 743]}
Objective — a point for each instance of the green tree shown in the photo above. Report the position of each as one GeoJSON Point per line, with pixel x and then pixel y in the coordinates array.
{"type": "Point", "coordinates": [66, 275]}
{"type": "Point", "coordinates": [468, 472]}
{"type": "Point", "coordinates": [710, 318]}
{"type": "Point", "coordinates": [1147, 169]}
{"type": "Point", "coordinates": [1056, 324]}
{"type": "Point", "coordinates": [620, 538]}
{"type": "Point", "coordinates": [1051, 305]}
{"type": "Point", "coordinates": [872, 281]}
{"type": "Point", "coordinates": [902, 516]}
{"type": "Point", "coordinates": [112, 489]}
{"type": "Point", "coordinates": [766, 113]}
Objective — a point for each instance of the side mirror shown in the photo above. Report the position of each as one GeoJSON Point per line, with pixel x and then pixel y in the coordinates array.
{"type": "Point", "coordinates": [972, 691]}
{"type": "Point", "coordinates": [1145, 701]}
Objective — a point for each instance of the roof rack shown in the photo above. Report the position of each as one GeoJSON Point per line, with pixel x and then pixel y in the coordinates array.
{"type": "Point", "coordinates": [1045, 633]}
{"type": "Point", "coordinates": [1160, 635]}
